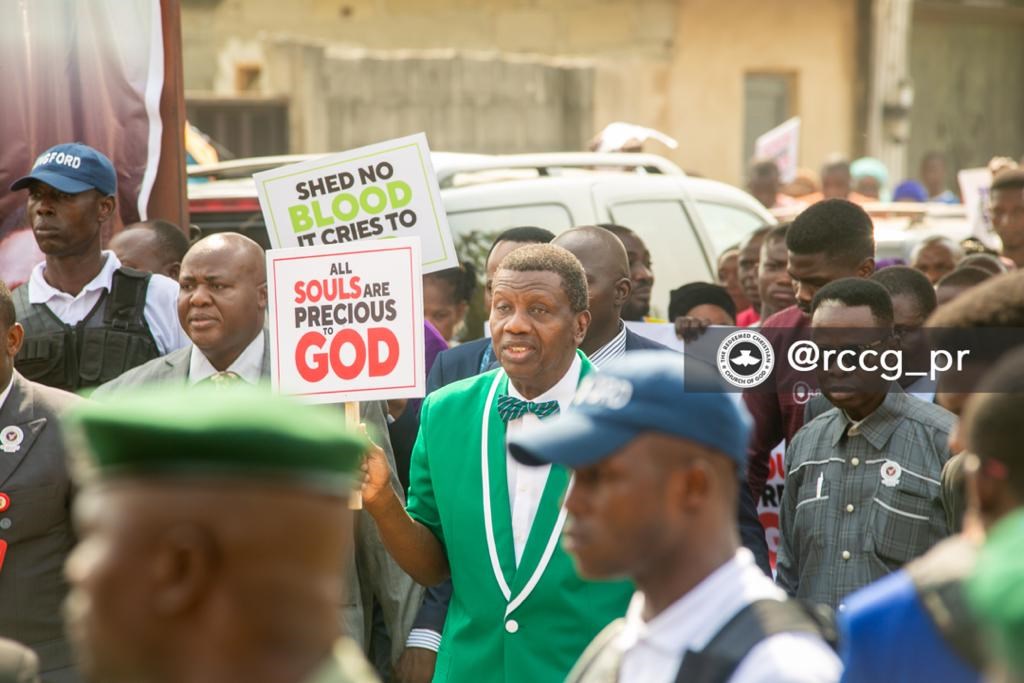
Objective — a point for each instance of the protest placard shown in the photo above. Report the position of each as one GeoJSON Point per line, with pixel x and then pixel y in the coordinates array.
{"type": "Point", "coordinates": [782, 145]}
{"type": "Point", "coordinates": [974, 189]}
{"type": "Point", "coordinates": [379, 191]}
{"type": "Point", "coordinates": [346, 321]}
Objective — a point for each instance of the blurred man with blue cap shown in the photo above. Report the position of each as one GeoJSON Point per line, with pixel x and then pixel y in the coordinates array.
{"type": "Point", "coordinates": [658, 457]}
{"type": "Point", "coordinates": [86, 318]}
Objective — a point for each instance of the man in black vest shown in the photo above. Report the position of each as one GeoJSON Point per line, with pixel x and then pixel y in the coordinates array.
{"type": "Point", "coordinates": [86, 318]}
{"type": "Point", "coordinates": [658, 462]}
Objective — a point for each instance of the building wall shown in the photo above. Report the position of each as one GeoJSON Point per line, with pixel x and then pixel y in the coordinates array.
{"type": "Point", "coordinates": [675, 65]}
{"type": "Point", "coordinates": [718, 42]}
{"type": "Point", "coordinates": [963, 64]}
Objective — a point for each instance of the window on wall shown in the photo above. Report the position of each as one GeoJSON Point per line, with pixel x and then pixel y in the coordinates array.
{"type": "Point", "coordinates": [767, 101]}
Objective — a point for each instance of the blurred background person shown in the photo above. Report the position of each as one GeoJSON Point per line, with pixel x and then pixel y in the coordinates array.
{"type": "Point", "coordinates": [446, 295]}
{"type": "Point", "coordinates": [936, 257]}
{"type": "Point", "coordinates": [870, 178]}
{"type": "Point", "coordinates": [151, 246]}
{"type": "Point", "coordinates": [729, 277]}
{"type": "Point", "coordinates": [933, 178]}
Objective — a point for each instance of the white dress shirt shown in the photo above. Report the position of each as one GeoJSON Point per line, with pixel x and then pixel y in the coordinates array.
{"type": "Point", "coordinates": [160, 313]}
{"type": "Point", "coordinates": [6, 392]}
{"type": "Point", "coordinates": [248, 365]}
{"type": "Point", "coordinates": [526, 483]}
{"type": "Point", "coordinates": [654, 650]}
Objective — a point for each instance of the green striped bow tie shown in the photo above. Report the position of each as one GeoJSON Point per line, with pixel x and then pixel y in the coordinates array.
{"type": "Point", "coordinates": [512, 408]}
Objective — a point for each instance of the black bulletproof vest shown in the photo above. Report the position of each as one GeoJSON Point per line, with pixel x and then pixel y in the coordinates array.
{"type": "Point", "coordinates": [111, 339]}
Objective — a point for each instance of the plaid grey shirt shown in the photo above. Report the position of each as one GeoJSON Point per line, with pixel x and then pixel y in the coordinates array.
{"type": "Point", "coordinates": [861, 499]}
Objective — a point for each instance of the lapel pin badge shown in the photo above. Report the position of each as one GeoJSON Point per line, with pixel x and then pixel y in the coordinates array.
{"type": "Point", "coordinates": [891, 472]}
{"type": "Point", "coordinates": [11, 438]}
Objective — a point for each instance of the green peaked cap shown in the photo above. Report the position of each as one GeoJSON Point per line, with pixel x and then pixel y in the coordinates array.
{"type": "Point", "coordinates": [235, 432]}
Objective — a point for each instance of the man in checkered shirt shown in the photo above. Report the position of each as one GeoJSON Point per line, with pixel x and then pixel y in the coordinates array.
{"type": "Point", "coordinates": [863, 493]}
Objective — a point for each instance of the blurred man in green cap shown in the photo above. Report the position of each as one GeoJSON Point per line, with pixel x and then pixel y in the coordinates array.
{"type": "Point", "coordinates": [214, 524]}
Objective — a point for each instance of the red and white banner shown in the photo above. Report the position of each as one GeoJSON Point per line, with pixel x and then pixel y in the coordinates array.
{"type": "Point", "coordinates": [77, 71]}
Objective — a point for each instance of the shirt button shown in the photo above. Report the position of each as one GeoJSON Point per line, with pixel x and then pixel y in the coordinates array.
{"type": "Point", "coordinates": [854, 461]}
{"type": "Point", "coordinates": [512, 626]}
{"type": "Point", "coordinates": [849, 507]}
{"type": "Point", "coordinates": [846, 554]}
{"type": "Point", "coordinates": [5, 523]}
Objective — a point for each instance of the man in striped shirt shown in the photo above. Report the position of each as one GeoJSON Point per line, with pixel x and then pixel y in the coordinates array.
{"type": "Point", "coordinates": [863, 494]}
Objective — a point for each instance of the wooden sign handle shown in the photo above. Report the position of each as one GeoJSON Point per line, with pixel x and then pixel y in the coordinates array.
{"type": "Point", "coordinates": [355, 501]}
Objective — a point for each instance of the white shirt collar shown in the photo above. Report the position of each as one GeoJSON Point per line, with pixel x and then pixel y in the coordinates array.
{"type": "Point", "coordinates": [563, 391]}
{"type": "Point", "coordinates": [7, 392]}
{"type": "Point", "coordinates": [248, 365]}
{"type": "Point", "coordinates": [40, 291]}
{"type": "Point", "coordinates": [694, 619]}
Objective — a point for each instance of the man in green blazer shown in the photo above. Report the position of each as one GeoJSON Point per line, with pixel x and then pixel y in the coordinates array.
{"type": "Point", "coordinates": [519, 610]}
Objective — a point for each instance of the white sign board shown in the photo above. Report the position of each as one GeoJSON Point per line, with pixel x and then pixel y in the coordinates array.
{"type": "Point", "coordinates": [380, 191]}
{"type": "Point", "coordinates": [782, 145]}
{"type": "Point", "coordinates": [346, 322]}
{"type": "Point", "coordinates": [974, 188]}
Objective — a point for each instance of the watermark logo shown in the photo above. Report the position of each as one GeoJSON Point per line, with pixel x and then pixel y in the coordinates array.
{"type": "Point", "coordinates": [745, 359]}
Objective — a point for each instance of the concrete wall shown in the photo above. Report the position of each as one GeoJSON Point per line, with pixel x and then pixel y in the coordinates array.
{"type": "Point", "coordinates": [675, 65]}
{"type": "Point", "coordinates": [483, 102]}
{"type": "Point", "coordinates": [616, 28]}
{"type": "Point", "coordinates": [718, 42]}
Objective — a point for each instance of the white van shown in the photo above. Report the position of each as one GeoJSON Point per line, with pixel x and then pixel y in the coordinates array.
{"type": "Point", "coordinates": [685, 222]}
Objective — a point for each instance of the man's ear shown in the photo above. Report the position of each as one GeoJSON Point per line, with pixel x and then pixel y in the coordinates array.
{"type": "Point", "coordinates": [582, 325]}
{"type": "Point", "coordinates": [15, 336]}
{"type": "Point", "coordinates": [623, 288]}
{"type": "Point", "coordinates": [866, 267]}
{"type": "Point", "coordinates": [174, 270]}
{"type": "Point", "coordinates": [261, 294]}
{"type": "Point", "coordinates": [185, 563]}
{"type": "Point", "coordinates": [106, 208]}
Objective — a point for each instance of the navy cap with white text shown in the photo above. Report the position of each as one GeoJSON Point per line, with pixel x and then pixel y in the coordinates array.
{"type": "Point", "coordinates": [642, 391]}
{"type": "Point", "coordinates": [72, 167]}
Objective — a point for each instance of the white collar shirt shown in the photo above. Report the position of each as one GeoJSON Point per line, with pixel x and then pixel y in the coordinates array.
{"type": "Point", "coordinates": [248, 365]}
{"type": "Point", "coordinates": [7, 391]}
{"type": "Point", "coordinates": [526, 483]}
{"type": "Point", "coordinates": [654, 650]}
{"type": "Point", "coordinates": [160, 312]}
{"type": "Point", "coordinates": [612, 350]}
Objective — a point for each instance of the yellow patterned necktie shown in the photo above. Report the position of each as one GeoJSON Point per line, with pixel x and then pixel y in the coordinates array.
{"type": "Point", "coordinates": [223, 379]}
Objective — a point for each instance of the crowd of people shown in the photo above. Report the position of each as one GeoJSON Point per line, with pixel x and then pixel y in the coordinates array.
{"type": "Point", "coordinates": [570, 501]}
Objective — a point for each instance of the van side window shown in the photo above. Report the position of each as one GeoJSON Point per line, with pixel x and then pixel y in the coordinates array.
{"type": "Point", "coordinates": [676, 254]}
{"type": "Point", "coordinates": [727, 225]}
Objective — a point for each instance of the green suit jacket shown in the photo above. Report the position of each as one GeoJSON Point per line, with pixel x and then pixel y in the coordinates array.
{"type": "Point", "coordinates": [505, 623]}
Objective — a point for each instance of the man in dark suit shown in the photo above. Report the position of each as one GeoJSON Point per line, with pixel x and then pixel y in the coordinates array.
{"type": "Point", "coordinates": [35, 502]}
{"type": "Point", "coordinates": [222, 307]}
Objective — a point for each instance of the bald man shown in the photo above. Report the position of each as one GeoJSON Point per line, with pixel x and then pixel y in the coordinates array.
{"type": "Point", "coordinates": [222, 307]}
{"type": "Point", "coordinates": [606, 264]}
{"type": "Point", "coordinates": [151, 246]}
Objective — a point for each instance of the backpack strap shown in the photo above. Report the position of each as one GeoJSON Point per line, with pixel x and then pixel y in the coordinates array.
{"type": "Point", "coordinates": [718, 661]}
{"type": "Point", "coordinates": [126, 304]}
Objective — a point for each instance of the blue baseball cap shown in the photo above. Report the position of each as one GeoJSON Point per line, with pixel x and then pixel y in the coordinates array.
{"type": "Point", "coordinates": [72, 167]}
{"type": "Point", "coordinates": [643, 391]}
